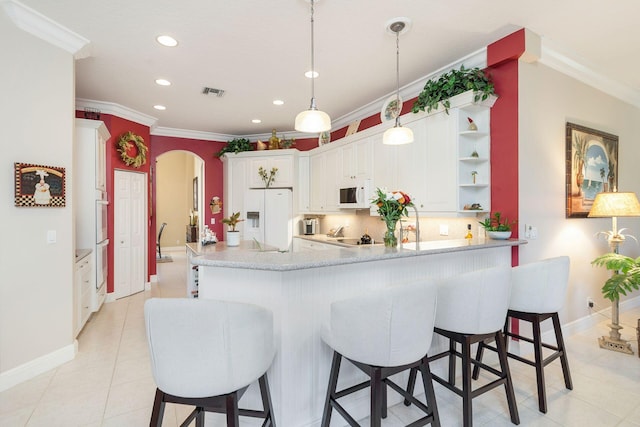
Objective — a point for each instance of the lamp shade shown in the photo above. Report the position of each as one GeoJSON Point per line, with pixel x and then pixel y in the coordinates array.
{"type": "Point", "coordinates": [397, 135]}
{"type": "Point", "coordinates": [312, 121]}
{"type": "Point", "coordinates": [608, 205]}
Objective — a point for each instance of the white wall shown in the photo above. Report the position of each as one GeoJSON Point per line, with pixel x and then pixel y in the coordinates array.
{"type": "Point", "coordinates": [37, 110]}
{"type": "Point", "coordinates": [549, 99]}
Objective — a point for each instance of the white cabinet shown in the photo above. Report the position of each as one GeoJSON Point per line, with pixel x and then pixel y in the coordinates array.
{"type": "Point", "coordinates": [90, 203]}
{"type": "Point", "coordinates": [304, 171]}
{"type": "Point", "coordinates": [283, 178]}
{"type": "Point", "coordinates": [82, 290]}
{"type": "Point", "coordinates": [473, 155]}
{"type": "Point", "coordinates": [447, 169]}
{"type": "Point", "coordinates": [91, 138]}
{"type": "Point", "coordinates": [235, 185]}
{"type": "Point", "coordinates": [440, 166]}
{"type": "Point", "coordinates": [323, 182]}
{"type": "Point", "coordinates": [356, 161]}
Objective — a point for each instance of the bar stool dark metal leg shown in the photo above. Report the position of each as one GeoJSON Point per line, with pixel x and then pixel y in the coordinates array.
{"type": "Point", "coordinates": [331, 390]}
{"type": "Point", "coordinates": [504, 366]}
{"type": "Point", "coordinates": [561, 348]}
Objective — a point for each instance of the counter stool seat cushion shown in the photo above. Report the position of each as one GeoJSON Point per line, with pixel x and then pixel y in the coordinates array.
{"type": "Point", "coordinates": [538, 293]}
{"type": "Point", "coordinates": [475, 302]}
{"type": "Point", "coordinates": [202, 349]}
{"type": "Point", "coordinates": [383, 333]}
{"type": "Point", "coordinates": [391, 327]}
{"type": "Point", "coordinates": [472, 307]}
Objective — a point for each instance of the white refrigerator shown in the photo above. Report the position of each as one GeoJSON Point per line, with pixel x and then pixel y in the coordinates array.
{"type": "Point", "coordinates": [269, 217]}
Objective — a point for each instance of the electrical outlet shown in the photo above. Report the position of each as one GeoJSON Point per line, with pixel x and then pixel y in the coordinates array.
{"type": "Point", "coordinates": [590, 302]}
{"type": "Point", "coordinates": [213, 221]}
{"type": "Point", "coordinates": [530, 232]}
{"type": "Point", "coordinates": [444, 230]}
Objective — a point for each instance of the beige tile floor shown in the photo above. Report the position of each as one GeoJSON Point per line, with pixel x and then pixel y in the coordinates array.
{"type": "Point", "coordinates": [109, 382]}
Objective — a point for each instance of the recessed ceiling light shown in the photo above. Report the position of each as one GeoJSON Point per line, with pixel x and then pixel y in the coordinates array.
{"type": "Point", "coordinates": [163, 82]}
{"type": "Point", "coordinates": [311, 74]}
{"type": "Point", "coordinates": [167, 41]}
{"type": "Point", "coordinates": [278, 102]}
{"type": "Point", "coordinates": [256, 121]}
{"type": "Point", "coordinates": [160, 107]}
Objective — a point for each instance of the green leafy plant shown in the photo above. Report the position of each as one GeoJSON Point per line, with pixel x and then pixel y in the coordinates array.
{"type": "Point", "coordinates": [236, 145]}
{"type": "Point", "coordinates": [453, 83]}
{"type": "Point", "coordinates": [497, 223]}
{"type": "Point", "coordinates": [232, 221]}
{"type": "Point", "coordinates": [625, 277]}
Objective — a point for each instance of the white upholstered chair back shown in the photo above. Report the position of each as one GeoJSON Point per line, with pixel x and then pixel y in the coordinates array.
{"type": "Point", "coordinates": [390, 327]}
{"type": "Point", "coordinates": [203, 348]}
{"type": "Point", "coordinates": [474, 302]}
{"type": "Point", "coordinates": [541, 286]}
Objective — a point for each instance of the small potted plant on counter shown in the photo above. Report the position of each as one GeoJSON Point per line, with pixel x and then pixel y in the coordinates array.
{"type": "Point", "coordinates": [233, 236]}
{"type": "Point", "coordinates": [497, 226]}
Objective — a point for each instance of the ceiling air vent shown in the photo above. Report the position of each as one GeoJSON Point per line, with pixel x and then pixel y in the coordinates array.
{"type": "Point", "coordinates": [210, 90]}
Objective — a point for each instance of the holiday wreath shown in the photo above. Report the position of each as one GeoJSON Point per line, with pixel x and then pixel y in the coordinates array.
{"type": "Point", "coordinates": [124, 145]}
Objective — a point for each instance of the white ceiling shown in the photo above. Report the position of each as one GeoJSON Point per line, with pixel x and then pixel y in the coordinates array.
{"type": "Point", "coordinates": [258, 50]}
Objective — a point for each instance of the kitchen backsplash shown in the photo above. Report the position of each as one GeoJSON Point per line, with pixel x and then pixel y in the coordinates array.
{"type": "Point", "coordinates": [356, 224]}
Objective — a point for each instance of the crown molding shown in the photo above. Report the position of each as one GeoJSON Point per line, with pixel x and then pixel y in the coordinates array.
{"type": "Point", "coordinates": [191, 134]}
{"type": "Point", "coordinates": [117, 110]}
{"type": "Point", "coordinates": [567, 63]}
{"type": "Point", "coordinates": [37, 24]}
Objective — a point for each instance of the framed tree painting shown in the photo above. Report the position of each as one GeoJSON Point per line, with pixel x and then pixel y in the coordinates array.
{"type": "Point", "coordinates": [591, 167]}
{"type": "Point", "coordinates": [39, 186]}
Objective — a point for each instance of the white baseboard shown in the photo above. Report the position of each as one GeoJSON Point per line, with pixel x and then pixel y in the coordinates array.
{"type": "Point", "coordinates": [574, 327]}
{"type": "Point", "coordinates": [37, 366]}
{"type": "Point", "coordinates": [153, 279]}
{"type": "Point", "coordinates": [110, 297]}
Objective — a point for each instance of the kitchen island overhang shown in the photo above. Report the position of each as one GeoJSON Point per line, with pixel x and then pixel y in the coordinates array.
{"type": "Point", "coordinates": [299, 288]}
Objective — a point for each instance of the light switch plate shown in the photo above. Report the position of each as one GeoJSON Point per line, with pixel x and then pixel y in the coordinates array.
{"type": "Point", "coordinates": [444, 230]}
{"type": "Point", "coordinates": [51, 236]}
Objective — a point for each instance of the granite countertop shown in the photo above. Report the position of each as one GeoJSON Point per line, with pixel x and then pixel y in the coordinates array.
{"type": "Point", "coordinates": [248, 256]}
{"type": "Point", "coordinates": [82, 253]}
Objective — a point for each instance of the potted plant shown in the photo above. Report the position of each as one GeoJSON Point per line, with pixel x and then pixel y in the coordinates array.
{"type": "Point", "coordinates": [497, 226]}
{"type": "Point", "coordinates": [233, 236]}
{"type": "Point", "coordinates": [625, 274]}
{"type": "Point", "coordinates": [453, 83]}
{"type": "Point", "coordinates": [236, 145]}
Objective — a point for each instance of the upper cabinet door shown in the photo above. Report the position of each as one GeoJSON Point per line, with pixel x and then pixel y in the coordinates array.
{"type": "Point", "coordinates": [283, 177]}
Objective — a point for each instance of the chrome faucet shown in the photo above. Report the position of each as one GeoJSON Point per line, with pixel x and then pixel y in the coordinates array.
{"type": "Point", "coordinates": [417, 228]}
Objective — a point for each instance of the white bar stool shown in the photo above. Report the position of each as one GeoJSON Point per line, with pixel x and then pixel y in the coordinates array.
{"type": "Point", "coordinates": [383, 333]}
{"type": "Point", "coordinates": [472, 307]}
{"type": "Point", "coordinates": [538, 293]}
{"type": "Point", "coordinates": [206, 353]}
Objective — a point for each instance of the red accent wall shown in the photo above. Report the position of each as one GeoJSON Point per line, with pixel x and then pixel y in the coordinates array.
{"type": "Point", "coordinates": [502, 61]}
{"type": "Point", "coordinates": [212, 177]}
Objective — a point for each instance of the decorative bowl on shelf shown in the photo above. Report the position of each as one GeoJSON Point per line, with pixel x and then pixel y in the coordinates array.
{"type": "Point", "coordinates": [499, 235]}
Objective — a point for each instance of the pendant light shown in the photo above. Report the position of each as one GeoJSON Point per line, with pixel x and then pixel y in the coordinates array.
{"type": "Point", "coordinates": [397, 135]}
{"type": "Point", "coordinates": [312, 120]}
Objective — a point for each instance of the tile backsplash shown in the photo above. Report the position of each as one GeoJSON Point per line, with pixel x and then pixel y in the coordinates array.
{"type": "Point", "coordinates": [360, 222]}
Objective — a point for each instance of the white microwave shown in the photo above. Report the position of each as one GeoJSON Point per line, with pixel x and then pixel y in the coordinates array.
{"type": "Point", "coordinates": [356, 195]}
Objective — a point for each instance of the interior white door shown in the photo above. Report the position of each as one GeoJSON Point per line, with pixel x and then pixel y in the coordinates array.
{"type": "Point", "coordinates": [130, 195]}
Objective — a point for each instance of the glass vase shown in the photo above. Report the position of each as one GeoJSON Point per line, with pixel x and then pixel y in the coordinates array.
{"type": "Point", "coordinates": [390, 239]}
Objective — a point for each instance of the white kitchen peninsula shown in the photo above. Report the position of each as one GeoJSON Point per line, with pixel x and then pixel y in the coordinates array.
{"type": "Point", "coordinates": [299, 287]}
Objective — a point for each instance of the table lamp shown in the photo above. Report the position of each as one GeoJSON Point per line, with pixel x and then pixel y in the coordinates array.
{"type": "Point", "coordinates": [612, 205]}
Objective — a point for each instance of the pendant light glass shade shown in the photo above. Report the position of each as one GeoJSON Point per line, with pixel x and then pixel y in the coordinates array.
{"type": "Point", "coordinates": [397, 135]}
{"type": "Point", "coordinates": [312, 120]}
